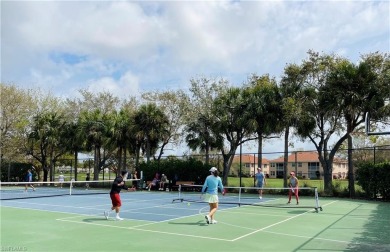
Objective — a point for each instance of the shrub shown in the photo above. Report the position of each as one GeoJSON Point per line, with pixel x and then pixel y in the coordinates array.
{"type": "Point", "coordinates": [374, 179]}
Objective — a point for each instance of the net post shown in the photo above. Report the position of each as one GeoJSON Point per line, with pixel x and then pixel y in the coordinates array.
{"type": "Point", "coordinates": [239, 196]}
{"type": "Point", "coordinates": [70, 186]}
{"type": "Point", "coordinates": [316, 198]}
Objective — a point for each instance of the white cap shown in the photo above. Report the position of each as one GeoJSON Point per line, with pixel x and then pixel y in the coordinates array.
{"type": "Point", "coordinates": [213, 169]}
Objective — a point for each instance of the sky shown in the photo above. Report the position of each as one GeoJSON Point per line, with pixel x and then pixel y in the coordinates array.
{"type": "Point", "coordinates": [128, 47]}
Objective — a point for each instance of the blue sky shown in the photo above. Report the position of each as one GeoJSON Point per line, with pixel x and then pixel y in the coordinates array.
{"type": "Point", "coordinates": [127, 47]}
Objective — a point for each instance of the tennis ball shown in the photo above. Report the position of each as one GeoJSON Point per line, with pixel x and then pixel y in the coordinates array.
{"type": "Point", "coordinates": [188, 204]}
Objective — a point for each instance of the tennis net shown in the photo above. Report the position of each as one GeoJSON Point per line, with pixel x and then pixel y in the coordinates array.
{"type": "Point", "coordinates": [25, 190]}
{"type": "Point", "coordinates": [271, 197]}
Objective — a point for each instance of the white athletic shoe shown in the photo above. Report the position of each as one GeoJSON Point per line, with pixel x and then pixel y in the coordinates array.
{"type": "Point", "coordinates": [106, 214]}
{"type": "Point", "coordinates": [118, 218]}
{"type": "Point", "coordinates": [260, 197]}
{"type": "Point", "coordinates": [207, 219]}
{"type": "Point", "coordinates": [214, 222]}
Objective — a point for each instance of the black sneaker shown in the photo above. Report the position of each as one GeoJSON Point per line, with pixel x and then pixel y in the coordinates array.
{"type": "Point", "coordinates": [207, 219]}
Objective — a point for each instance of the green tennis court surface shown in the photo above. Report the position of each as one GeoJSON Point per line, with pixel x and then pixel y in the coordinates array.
{"type": "Point", "coordinates": [153, 223]}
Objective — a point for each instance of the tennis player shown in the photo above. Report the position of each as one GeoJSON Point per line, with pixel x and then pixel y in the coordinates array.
{"type": "Point", "coordinates": [29, 179]}
{"type": "Point", "coordinates": [260, 179]}
{"type": "Point", "coordinates": [210, 186]}
{"type": "Point", "coordinates": [294, 185]}
{"type": "Point", "coordinates": [61, 179]}
{"type": "Point", "coordinates": [116, 188]}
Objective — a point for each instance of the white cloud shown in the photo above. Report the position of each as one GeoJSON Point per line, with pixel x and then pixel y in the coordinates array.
{"type": "Point", "coordinates": [125, 47]}
{"type": "Point", "coordinates": [127, 84]}
{"type": "Point", "coordinates": [165, 43]}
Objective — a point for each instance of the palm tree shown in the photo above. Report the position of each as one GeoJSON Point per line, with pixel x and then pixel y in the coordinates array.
{"type": "Point", "coordinates": [263, 110]}
{"type": "Point", "coordinates": [95, 129]}
{"type": "Point", "coordinates": [46, 135]}
{"type": "Point", "coordinates": [74, 141]}
{"type": "Point", "coordinates": [150, 123]}
{"type": "Point", "coordinates": [294, 103]}
{"type": "Point", "coordinates": [200, 136]}
{"type": "Point", "coordinates": [230, 125]}
{"type": "Point", "coordinates": [119, 136]}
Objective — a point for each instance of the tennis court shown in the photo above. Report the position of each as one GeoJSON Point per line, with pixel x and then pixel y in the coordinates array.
{"type": "Point", "coordinates": [153, 222]}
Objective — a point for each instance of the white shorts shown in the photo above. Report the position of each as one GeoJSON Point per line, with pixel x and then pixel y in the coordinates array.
{"type": "Point", "coordinates": [211, 198]}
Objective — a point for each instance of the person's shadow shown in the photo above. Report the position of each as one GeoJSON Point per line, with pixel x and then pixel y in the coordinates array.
{"type": "Point", "coordinates": [94, 219]}
{"type": "Point", "coordinates": [198, 223]}
{"type": "Point", "coordinates": [297, 212]}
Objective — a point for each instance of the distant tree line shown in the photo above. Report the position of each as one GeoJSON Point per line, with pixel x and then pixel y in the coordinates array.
{"type": "Point", "coordinates": [323, 98]}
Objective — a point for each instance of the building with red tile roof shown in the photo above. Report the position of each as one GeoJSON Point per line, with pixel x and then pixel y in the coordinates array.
{"type": "Point", "coordinates": [305, 164]}
{"type": "Point", "coordinates": [249, 164]}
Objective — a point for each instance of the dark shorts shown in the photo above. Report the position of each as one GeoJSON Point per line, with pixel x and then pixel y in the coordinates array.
{"type": "Point", "coordinates": [116, 199]}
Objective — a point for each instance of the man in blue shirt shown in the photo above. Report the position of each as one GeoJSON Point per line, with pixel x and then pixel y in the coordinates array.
{"type": "Point", "coordinates": [260, 179]}
{"type": "Point", "coordinates": [29, 179]}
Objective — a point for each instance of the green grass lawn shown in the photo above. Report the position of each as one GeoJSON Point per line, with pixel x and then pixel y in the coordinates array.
{"type": "Point", "coordinates": [275, 183]}
{"type": "Point", "coordinates": [82, 176]}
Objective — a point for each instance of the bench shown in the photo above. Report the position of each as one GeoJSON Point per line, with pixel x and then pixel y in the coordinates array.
{"type": "Point", "coordinates": [173, 186]}
{"type": "Point", "coordinates": [183, 184]}
{"type": "Point", "coordinates": [157, 186]}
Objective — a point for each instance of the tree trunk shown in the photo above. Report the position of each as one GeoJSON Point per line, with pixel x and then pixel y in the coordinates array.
{"type": "Point", "coordinates": [227, 162]}
{"type": "Point", "coordinates": [51, 165]}
{"type": "Point", "coordinates": [207, 153]}
{"type": "Point", "coordinates": [285, 162]}
{"type": "Point", "coordinates": [96, 163]}
{"type": "Point", "coordinates": [351, 176]}
{"type": "Point", "coordinates": [45, 173]}
{"type": "Point", "coordinates": [260, 150]}
{"type": "Point", "coordinates": [120, 165]}
{"type": "Point", "coordinates": [75, 165]}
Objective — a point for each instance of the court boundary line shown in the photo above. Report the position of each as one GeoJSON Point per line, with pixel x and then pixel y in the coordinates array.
{"type": "Point", "coordinates": [277, 223]}
{"type": "Point", "coordinates": [151, 231]}
{"type": "Point", "coordinates": [137, 227]}
{"type": "Point", "coordinates": [186, 235]}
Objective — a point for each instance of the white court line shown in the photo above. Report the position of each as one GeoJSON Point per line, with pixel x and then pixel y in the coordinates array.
{"type": "Point", "coordinates": [89, 207]}
{"type": "Point", "coordinates": [46, 210]}
{"type": "Point", "coordinates": [151, 231]}
{"type": "Point", "coordinates": [277, 223]}
{"type": "Point", "coordinates": [309, 237]}
{"type": "Point", "coordinates": [172, 233]}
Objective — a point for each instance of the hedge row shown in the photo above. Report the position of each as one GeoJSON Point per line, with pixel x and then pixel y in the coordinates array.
{"type": "Point", "coordinates": [374, 179]}
{"type": "Point", "coordinates": [176, 169]}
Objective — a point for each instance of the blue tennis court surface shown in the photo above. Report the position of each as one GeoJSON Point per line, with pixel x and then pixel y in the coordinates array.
{"type": "Point", "coordinates": [140, 205]}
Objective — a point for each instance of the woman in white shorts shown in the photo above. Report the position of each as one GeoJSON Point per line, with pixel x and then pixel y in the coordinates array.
{"type": "Point", "coordinates": [210, 186]}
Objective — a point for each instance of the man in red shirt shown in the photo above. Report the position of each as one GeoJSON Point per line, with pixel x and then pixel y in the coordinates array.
{"type": "Point", "coordinates": [116, 188]}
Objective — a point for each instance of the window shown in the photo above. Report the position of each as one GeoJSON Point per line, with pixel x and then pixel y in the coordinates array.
{"type": "Point", "coordinates": [300, 164]}
{"type": "Point", "coordinates": [314, 168]}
